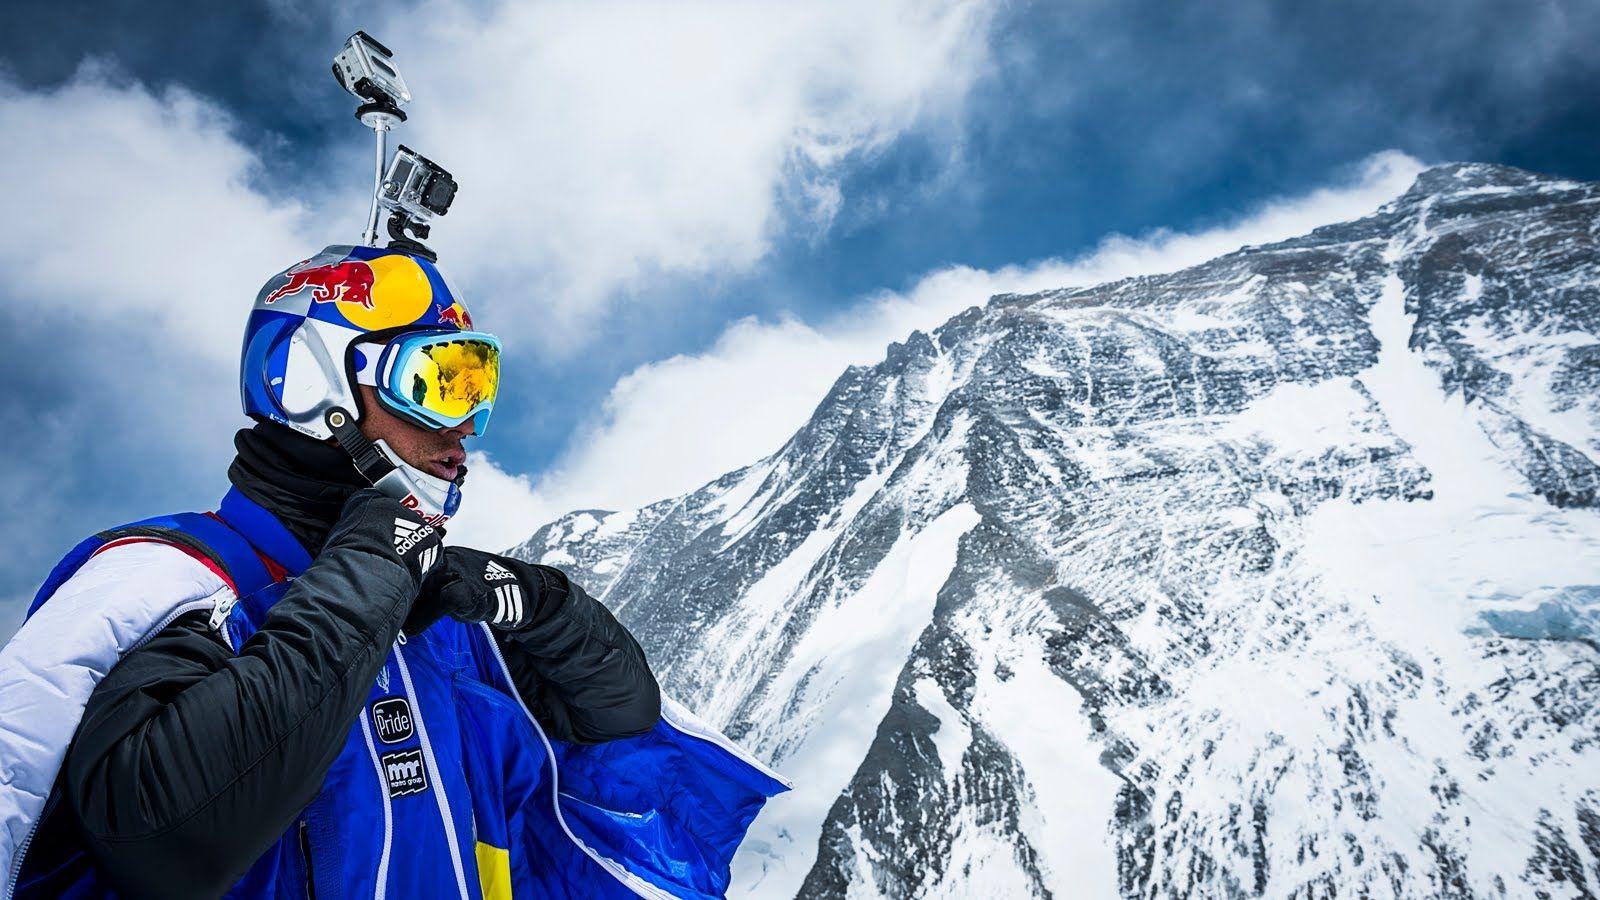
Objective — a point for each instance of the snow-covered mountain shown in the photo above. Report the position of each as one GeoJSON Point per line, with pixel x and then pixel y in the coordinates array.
{"type": "Point", "coordinates": [1276, 576]}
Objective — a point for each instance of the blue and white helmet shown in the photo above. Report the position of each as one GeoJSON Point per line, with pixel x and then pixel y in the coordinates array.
{"type": "Point", "coordinates": [367, 315]}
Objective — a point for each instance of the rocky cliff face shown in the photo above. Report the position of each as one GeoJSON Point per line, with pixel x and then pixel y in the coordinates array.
{"type": "Point", "coordinates": [1277, 576]}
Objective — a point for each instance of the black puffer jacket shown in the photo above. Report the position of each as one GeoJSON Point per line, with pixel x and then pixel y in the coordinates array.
{"type": "Point", "coordinates": [186, 741]}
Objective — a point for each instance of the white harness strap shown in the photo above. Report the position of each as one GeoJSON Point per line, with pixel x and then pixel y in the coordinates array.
{"type": "Point", "coordinates": [116, 601]}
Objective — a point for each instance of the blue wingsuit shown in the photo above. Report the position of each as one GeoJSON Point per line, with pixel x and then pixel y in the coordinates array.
{"type": "Point", "coordinates": [445, 786]}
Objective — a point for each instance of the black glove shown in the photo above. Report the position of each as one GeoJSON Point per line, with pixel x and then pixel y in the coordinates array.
{"type": "Point", "coordinates": [379, 524]}
{"type": "Point", "coordinates": [473, 586]}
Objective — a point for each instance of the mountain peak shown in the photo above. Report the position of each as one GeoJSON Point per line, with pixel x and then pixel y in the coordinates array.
{"type": "Point", "coordinates": [1477, 178]}
{"type": "Point", "coordinates": [1271, 576]}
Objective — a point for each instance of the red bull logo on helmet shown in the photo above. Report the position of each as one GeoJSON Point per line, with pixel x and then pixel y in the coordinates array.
{"type": "Point", "coordinates": [342, 282]}
{"type": "Point", "coordinates": [455, 315]}
{"type": "Point", "coordinates": [386, 291]}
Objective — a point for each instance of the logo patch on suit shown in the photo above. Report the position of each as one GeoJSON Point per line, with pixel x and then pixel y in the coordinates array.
{"type": "Point", "coordinates": [405, 772]}
{"type": "Point", "coordinates": [392, 717]}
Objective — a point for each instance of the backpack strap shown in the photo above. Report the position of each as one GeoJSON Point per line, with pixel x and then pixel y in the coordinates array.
{"type": "Point", "coordinates": [203, 536]}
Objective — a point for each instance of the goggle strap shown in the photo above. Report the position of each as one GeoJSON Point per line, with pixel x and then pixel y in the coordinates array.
{"type": "Point", "coordinates": [369, 462]}
{"type": "Point", "coordinates": [368, 374]}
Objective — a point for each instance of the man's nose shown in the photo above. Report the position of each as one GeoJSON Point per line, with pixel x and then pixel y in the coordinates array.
{"type": "Point", "coordinates": [461, 432]}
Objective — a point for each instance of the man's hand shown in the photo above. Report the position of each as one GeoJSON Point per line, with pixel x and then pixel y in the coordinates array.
{"type": "Point", "coordinates": [379, 524]}
{"type": "Point", "coordinates": [581, 674]}
{"type": "Point", "coordinates": [473, 586]}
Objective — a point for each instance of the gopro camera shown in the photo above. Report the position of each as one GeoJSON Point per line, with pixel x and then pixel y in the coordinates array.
{"type": "Point", "coordinates": [412, 187]}
{"type": "Point", "coordinates": [417, 186]}
{"type": "Point", "coordinates": [366, 69]}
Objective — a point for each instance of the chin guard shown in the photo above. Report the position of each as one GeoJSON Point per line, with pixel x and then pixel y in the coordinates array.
{"type": "Point", "coordinates": [433, 497]}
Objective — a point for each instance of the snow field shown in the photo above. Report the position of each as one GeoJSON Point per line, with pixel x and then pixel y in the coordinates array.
{"type": "Point", "coordinates": [1041, 720]}
{"type": "Point", "coordinates": [832, 692]}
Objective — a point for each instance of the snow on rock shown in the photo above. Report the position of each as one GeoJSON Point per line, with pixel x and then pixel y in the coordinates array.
{"type": "Point", "coordinates": [834, 690]}
{"type": "Point", "coordinates": [1040, 720]}
{"type": "Point", "coordinates": [1278, 576]}
{"type": "Point", "coordinates": [953, 735]}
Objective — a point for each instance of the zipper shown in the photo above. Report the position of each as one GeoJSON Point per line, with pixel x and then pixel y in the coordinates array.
{"type": "Point", "coordinates": [629, 880]}
{"type": "Point", "coordinates": [438, 776]}
{"type": "Point", "coordinates": [382, 887]}
{"type": "Point", "coordinates": [22, 848]}
{"type": "Point", "coordinates": [305, 854]}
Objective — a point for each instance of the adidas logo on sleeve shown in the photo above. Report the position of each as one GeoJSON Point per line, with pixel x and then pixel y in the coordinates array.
{"type": "Point", "coordinates": [496, 572]}
{"type": "Point", "coordinates": [408, 534]}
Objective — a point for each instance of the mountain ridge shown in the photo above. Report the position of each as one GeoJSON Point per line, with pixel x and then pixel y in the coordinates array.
{"type": "Point", "coordinates": [1352, 472]}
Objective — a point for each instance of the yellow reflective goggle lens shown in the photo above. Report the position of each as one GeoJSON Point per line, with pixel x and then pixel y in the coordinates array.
{"type": "Point", "coordinates": [448, 380]}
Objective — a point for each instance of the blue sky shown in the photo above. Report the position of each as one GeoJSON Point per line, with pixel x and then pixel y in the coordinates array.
{"type": "Point", "coordinates": [654, 195]}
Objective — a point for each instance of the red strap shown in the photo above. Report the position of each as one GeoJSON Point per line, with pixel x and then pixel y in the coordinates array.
{"type": "Point", "coordinates": [279, 573]}
{"type": "Point", "coordinates": [203, 559]}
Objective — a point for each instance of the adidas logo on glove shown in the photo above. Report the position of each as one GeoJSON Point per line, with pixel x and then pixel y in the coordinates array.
{"type": "Point", "coordinates": [408, 534]}
{"type": "Point", "coordinates": [508, 604]}
{"type": "Point", "coordinates": [507, 597]}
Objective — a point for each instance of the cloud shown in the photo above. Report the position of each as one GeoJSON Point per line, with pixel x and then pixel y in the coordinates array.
{"type": "Point", "coordinates": [599, 145]}
{"type": "Point", "coordinates": [130, 252]}
{"type": "Point", "coordinates": [496, 507]}
{"type": "Point", "coordinates": [670, 426]}
{"type": "Point", "coordinates": [136, 206]}
{"type": "Point", "coordinates": [602, 145]}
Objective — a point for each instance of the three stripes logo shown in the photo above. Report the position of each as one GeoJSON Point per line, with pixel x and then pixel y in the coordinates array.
{"type": "Point", "coordinates": [507, 597]}
{"type": "Point", "coordinates": [508, 601]}
{"type": "Point", "coordinates": [408, 534]}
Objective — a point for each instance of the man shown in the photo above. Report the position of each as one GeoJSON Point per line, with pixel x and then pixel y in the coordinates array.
{"type": "Point", "coordinates": [306, 693]}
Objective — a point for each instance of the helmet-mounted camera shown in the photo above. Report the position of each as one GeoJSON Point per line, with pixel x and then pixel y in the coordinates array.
{"type": "Point", "coordinates": [366, 69]}
{"type": "Point", "coordinates": [412, 187]}
{"type": "Point", "coordinates": [415, 190]}
{"type": "Point", "coordinates": [417, 185]}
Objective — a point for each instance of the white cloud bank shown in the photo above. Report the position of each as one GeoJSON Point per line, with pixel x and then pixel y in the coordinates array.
{"type": "Point", "coordinates": [597, 143]}
{"type": "Point", "coordinates": [132, 206]}
{"type": "Point", "coordinates": [670, 426]}
{"type": "Point", "coordinates": [132, 246]}
{"type": "Point", "coordinates": [603, 144]}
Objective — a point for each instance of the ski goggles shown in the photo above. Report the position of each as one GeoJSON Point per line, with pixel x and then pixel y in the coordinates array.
{"type": "Point", "coordinates": [438, 379]}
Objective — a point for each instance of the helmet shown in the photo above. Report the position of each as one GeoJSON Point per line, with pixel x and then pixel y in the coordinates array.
{"type": "Point", "coordinates": [368, 315]}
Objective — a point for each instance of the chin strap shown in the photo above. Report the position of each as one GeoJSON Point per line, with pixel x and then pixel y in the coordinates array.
{"type": "Point", "coordinates": [372, 464]}
{"type": "Point", "coordinates": [435, 499]}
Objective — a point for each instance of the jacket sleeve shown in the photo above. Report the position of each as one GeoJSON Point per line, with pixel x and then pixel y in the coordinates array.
{"type": "Point", "coordinates": [191, 761]}
{"type": "Point", "coordinates": [581, 673]}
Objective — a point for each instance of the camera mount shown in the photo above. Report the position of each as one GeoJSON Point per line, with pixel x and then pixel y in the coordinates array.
{"type": "Point", "coordinates": [415, 188]}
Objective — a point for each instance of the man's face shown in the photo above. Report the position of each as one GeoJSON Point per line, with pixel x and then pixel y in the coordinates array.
{"type": "Point", "coordinates": [439, 453]}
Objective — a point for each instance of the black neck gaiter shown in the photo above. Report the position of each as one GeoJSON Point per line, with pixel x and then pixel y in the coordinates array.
{"type": "Point", "coordinates": [299, 479]}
